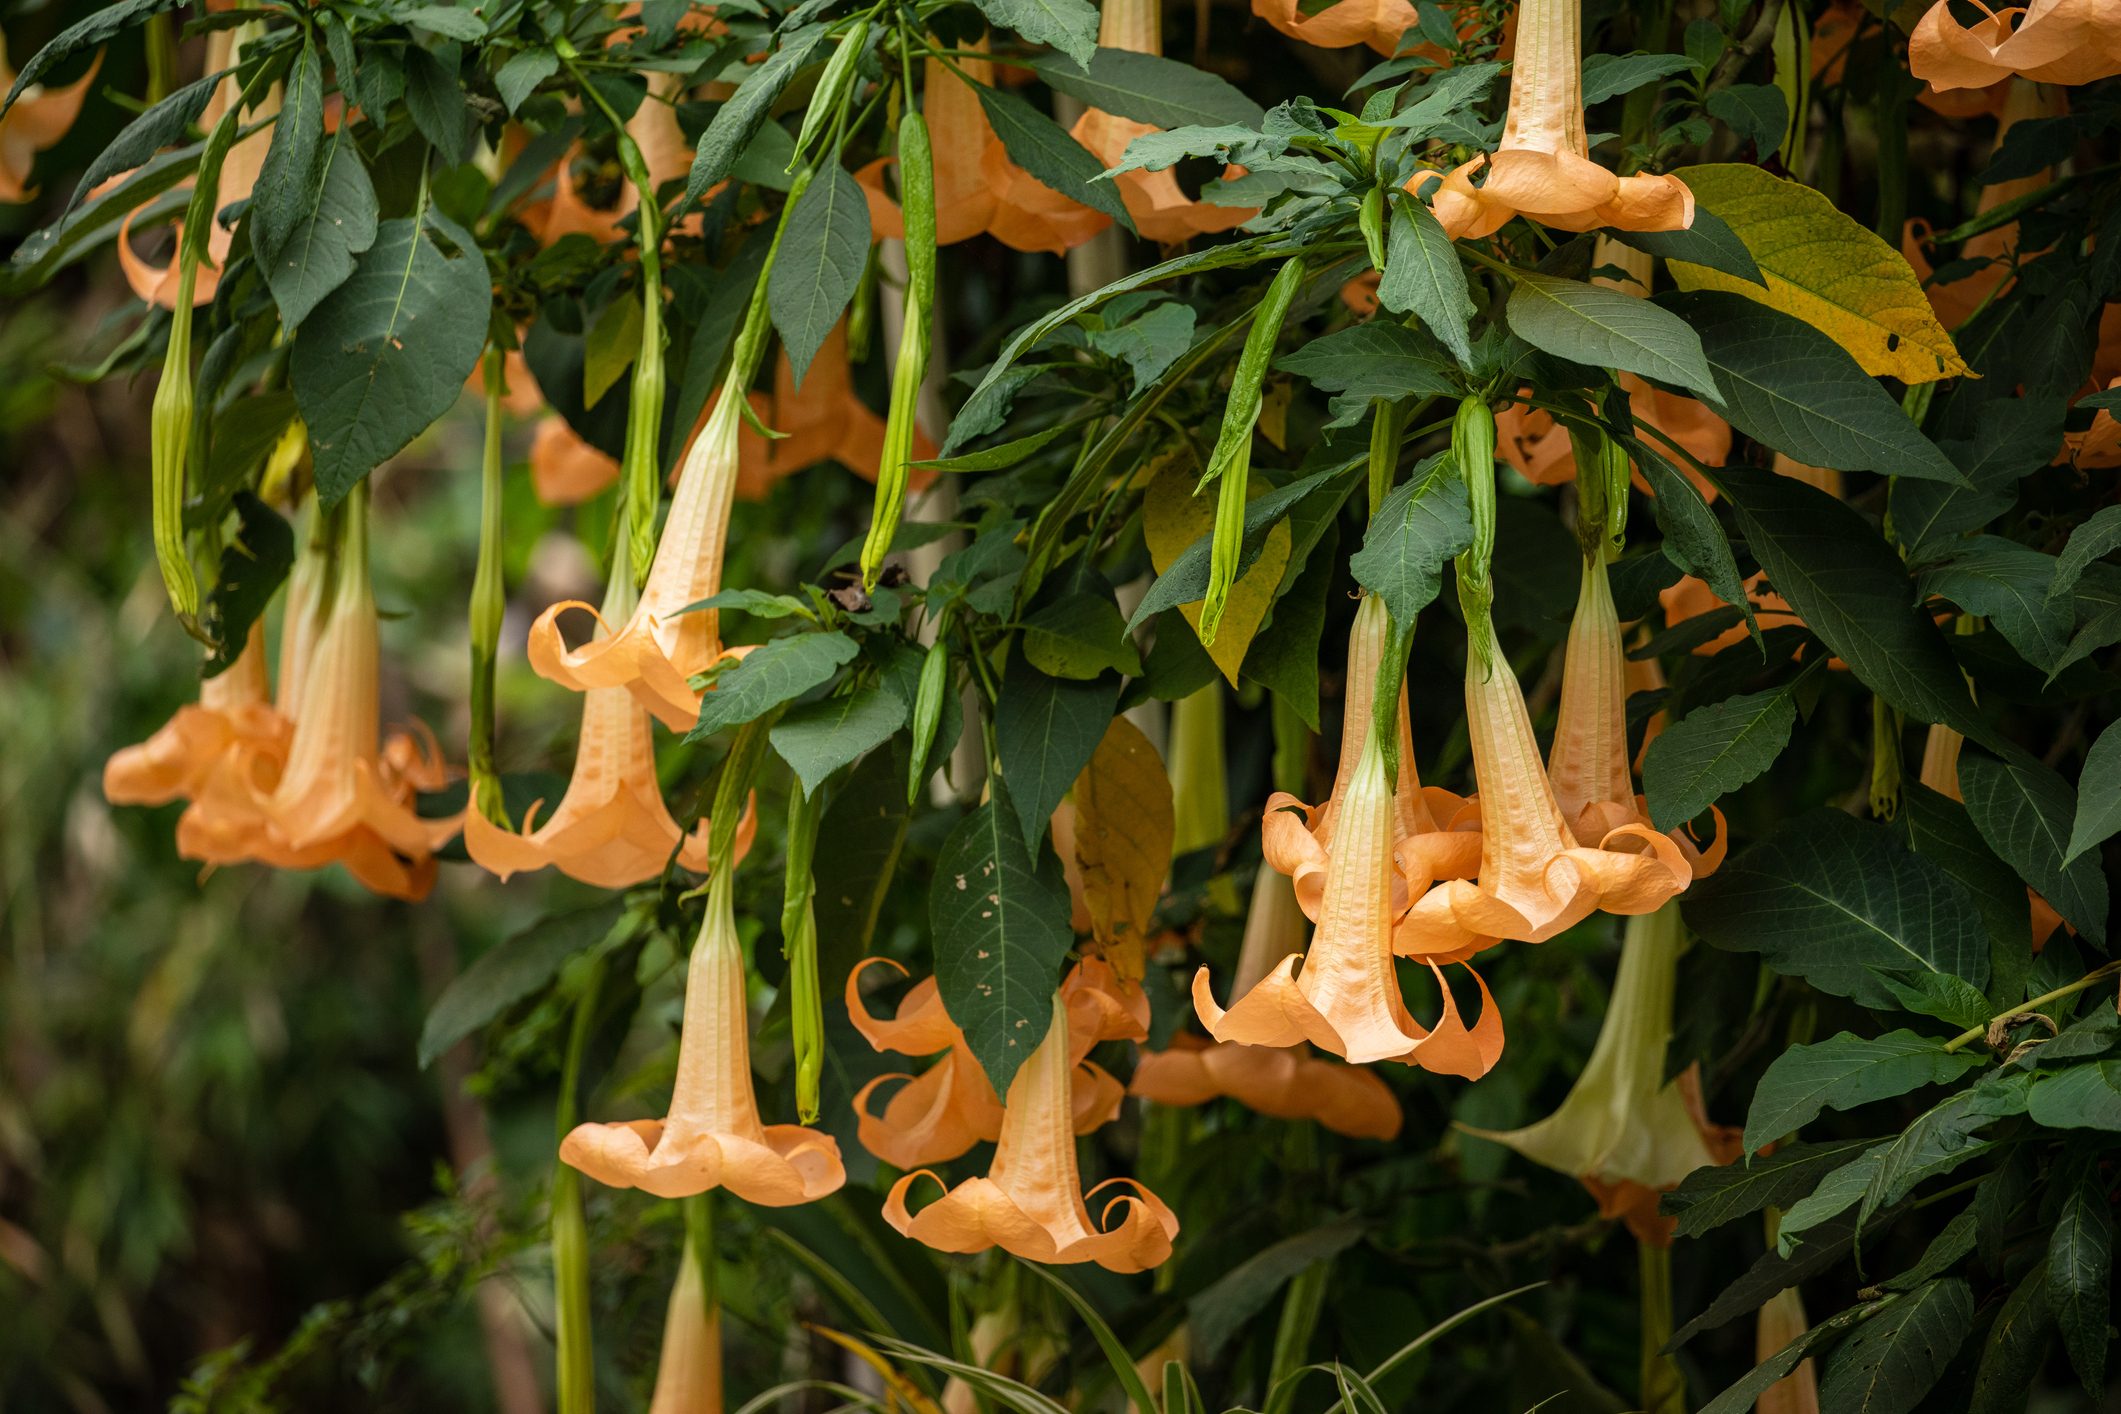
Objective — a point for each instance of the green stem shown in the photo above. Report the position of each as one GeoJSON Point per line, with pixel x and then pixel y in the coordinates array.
{"type": "Point", "coordinates": [2088, 980]}
{"type": "Point", "coordinates": [1663, 1387]}
{"type": "Point", "coordinates": [574, 1375]}
{"type": "Point", "coordinates": [488, 602]}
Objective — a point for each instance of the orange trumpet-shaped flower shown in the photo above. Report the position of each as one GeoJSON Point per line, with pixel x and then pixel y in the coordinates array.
{"type": "Point", "coordinates": [564, 469]}
{"type": "Point", "coordinates": [688, 1374]}
{"type": "Point", "coordinates": [1284, 1082]}
{"type": "Point", "coordinates": [612, 828]}
{"type": "Point", "coordinates": [1032, 1203]}
{"type": "Point", "coordinates": [40, 117]}
{"type": "Point", "coordinates": [2048, 41]}
{"type": "Point", "coordinates": [1356, 864]}
{"type": "Point", "coordinates": [659, 647]}
{"type": "Point", "coordinates": [712, 1137]}
{"type": "Point", "coordinates": [978, 189]}
{"type": "Point", "coordinates": [820, 419]}
{"type": "Point", "coordinates": [2098, 445]}
{"type": "Point", "coordinates": [1377, 23]}
{"type": "Point", "coordinates": [1589, 765]}
{"type": "Point", "coordinates": [1622, 1129]}
{"type": "Point", "coordinates": [1689, 597]}
{"type": "Point", "coordinates": [1542, 167]}
{"type": "Point", "coordinates": [654, 128]}
{"type": "Point", "coordinates": [1161, 211]}
{"type": "Point", "coordinates": [1956, 301]}
{"type": "Point", "coordinates": [1535, 879]}
{"type": "Point", "coordinates": [175, 763]}
{"type": "Point", "coordinates": [952, 1105]}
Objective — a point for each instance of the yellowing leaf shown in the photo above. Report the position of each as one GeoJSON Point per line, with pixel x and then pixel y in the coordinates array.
{"type": "Point", "coordinates": [1825, 269]}
{"type": "Point", "coordinates": [1123, 832]}
{"type": "Point", "coordinates": [1173, 518]}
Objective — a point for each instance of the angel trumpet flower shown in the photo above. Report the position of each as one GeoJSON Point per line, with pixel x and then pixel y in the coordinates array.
{"type": "Point", "coordinates": [1355, 865]}
{"type": "Point", "coordinates": [1284, 1082]}
{"type": "Point", "coordinates": [654, 129]}
{"type": "Point", "coordinates": [688, 1374]}
{"type": "Point", "coordinates": [952, 1105]}
{"type": "Point", "coordinates": [1542, 167]}
{"type": "Point", "coordinates": [1161, 211]}
{"type": "Point", "coordinates": [612, 828]}
{"type": "Point", "coordinates": [821, 419]}
{"type": "Point", "coordinates": [1622, 1130]}
{"type": "Point", "coordinates": [1956, 301]}
{"type": "Point", "coordinates": [2047, 41]}
{"type": "Point", "coordinates": [176, 762]}
{"type": "Point", "coordinates": [712, 1137]}
{"type": "Point", "coordinates": [978, 189]}
{"type": "Point", "coordinates": [2098, 445]}
{"type": "Point", "coordinates": [660, 646]}
{"type": "Point", "coordinates": [564, 469]}
{"type": "Point", "coordinates": [41, 116]}
{"type": "Point", "coordinates": [1377, 23]}
{"type": "Point", "coordinates": [1031, 1202]}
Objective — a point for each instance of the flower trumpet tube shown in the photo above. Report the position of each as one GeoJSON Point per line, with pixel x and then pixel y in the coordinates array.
{"type": "Point", "coordinates": [1355, 865]}
{"type": "Point", "coordinates": [688, 1373]}
{"type": "Point", "coordinates": [894, 472]}
{"type": "Point", "coordinates": [1625, 1132]}
{"type": "Point", "coordinates": [1031, 1202]}
{"type": "Point", "coordinates": [659, 647]}
{"type": "Point", "coordinates": [1283, 1082]}
{"type": "Point", "coordinates": [712, 1137]}
{"type": "Point", "coordinates": [938, 1115]}
{"type": "Point", "coordinates": [1542, 166]}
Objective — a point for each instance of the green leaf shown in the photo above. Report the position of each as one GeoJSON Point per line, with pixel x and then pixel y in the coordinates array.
{"type": "Point", "coordinates": [1046, 150]}
{"type": "Point", "coordinates": [1714, 750]}
{"type": "Point", "coordinates": [1843, 1072]}
{"type": "Point", "coordinates": [1068, 25]}
{"type": "Point", "coordinates": [2026, 813]}
{"type": "Point", "coordinates": [755, 602]}
{"type": "Point", "coordinates": [1149, 343]}
{"type": "Point", "coordinates": [1376, 360]}
{"type": "Point", "coordinates": [2006, 583]}
{"type": "Point", "coordinates": [1827, 1245]}
{"type": "Point", "coordinates": [335, 223]}
{"type": "Point", "coordinates": [1115, 1350]}
{"type": "Point", "coordinates": [2016, 1348]}
{"type": "Point", "coordinates": [1604, 328]}
{"type": "Point", "coordinates": [2098, 816]}
{"type": "Point", "coordinates": [2094, 539]}
{"type": "Point", "coordinates": [818, 738]}
{"type": "Point", "coordinates": [610, 347]}
{"type": "Point", "coordinates": [999, 913]}
{"type": "Point", "coordinates": [1080, 636]}
{"type": "Point", "coordinates": [1220, 1310]}
{"type": "Point", "coordinates": [1715, 1194]}
{"type": "Point", "coordinates": [510, 971]}
{"type": "Point", "coordinates": [1944, 1137]}
{"type": "Point", "coordinates": [1149, 88]}
{"type": "Point", "coordinates": [1936, 827]}
{"type": "Point", "coordinates": [520, 76]}
{"type": "Point", "coordinates": [290, 180]}
{"type": "Point", "coordinates": [435, 97]}
{"type": "Point", "coordinates": [1045, 730]}
{"type": "Point", "coordinates": [819, 265]}
{"type": "Point", "coordinates": [447, 21]}
{"type": "Point", "coordinates": [387, 352]}
{"type": "Point", "coordinates": [2081, 1097]}
{"type": "Point", "coordinates": [1443, 98]}
{"type": "Point", "coordinates": [1755, 112]}
{"type": "Point", "coordinates": [1836, 901]}
{"type": "Point", "coordinates": [162, 125]}
{"type": "Point", "coordinates": [1895, 1358]}
{"type": "Point", "coordinates": [1849, 587]}
{"type": "Point", "coordinates": [2080, 1268]}
{"type": "Point", "coordinates": [1744, 1396]}
{"type": "Point", "coordinates": [775, 672]}
{"type": "Point", "coordinates": [1423, 523]}
{"type": "Point", "coordinates": [1610, 75]}
{"type": "Point", "coordinates": [253, 566]}
{"type": "Point", "coordinates": [1782, 382]}
{"type": "Point", "coordinates": [2013, 438]}
{"type": "Point", "coordinates": [1943, 996]}
{"type": "Point", "coordinates": [1834, 1195]}
{"type": "Point", "coordinates": [1709, 242]}
{"type": "Point", "coordinates": [1221, 142]}
{"type": "Point", "coordinates": [1422, 275]}
{"type": "Point", "coordinates": [738, 121]}
{"type": "Point", "coordinates": [83, 34]}
{"type": "Point", "coordinates": [1693, 538]}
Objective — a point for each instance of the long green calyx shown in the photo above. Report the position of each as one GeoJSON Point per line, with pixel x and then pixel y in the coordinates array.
{"type": "Point", "coordinates": [733, 792]}
{"type": "Point", "coordinates": [927, 712]}
{"type": "Point", "coordinates": [806, 1004]}
{"type": "Point", "coordinates": [1231, 464]}
{"type": "Point", "coordinates": [1473, 448]}
{"type": "Point", "coordinates": [488, 601]}
{"type": "Point", "coordinates": [832, 87]}
{"type": "Point", "coordinates": [894, 469]}
{"type": "Point", "coordinates": [1387, 425]}
{"type": "Point", "coordinates": [641, 465]}
{"type": "Point", "coordinates": [1602, 472]}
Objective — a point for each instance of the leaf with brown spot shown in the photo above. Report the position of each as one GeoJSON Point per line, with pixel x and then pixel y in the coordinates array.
{"type": "Point", "coordinates": [1123, 833]}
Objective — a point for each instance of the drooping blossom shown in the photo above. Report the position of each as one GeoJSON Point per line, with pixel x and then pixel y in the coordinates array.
{"type": "Point", "coordinates": [1623, 1130]}
{"type": "Point", "coordinates": [1689, 598]}
{"type": "Point", "coordinates": [1031, 1201]}
{"type": "Point", "coordinates": [2099, 445]}
{"type": "Point", "coordinates": [2047, 41]}
{"type": "Point", "coordinates": [1284, 1082]}
{"type": "Point", "coordinates": [1542, 167]}
{"type": "Point", "coordinates": [234, 708]}
{"type": "Point", "coordinates": [1356, 865]}
{"type": "Point", "coordinates": [565, 470]}
{"type": "Point", "coordinates": [1161, 211]}
{"type": "Point", "coordinates": [1378, 23]}
{"type": "Point", "coordinates": [938, 1115]}
{"type": "Point", "coordinates": [821, 418]}
{"type": "Point", "coordinates": [712, 1136]}
{"type": "Point", "coordinates": [41, 116]}
{"type": "Point", "coordinates": [654, 129]}
{"type": "Point", "coordinates": [979, 190]}
{"type": "Point", "coordinates": [688, 1372]}
{"type": "Point", "coordinates": [659, 647]}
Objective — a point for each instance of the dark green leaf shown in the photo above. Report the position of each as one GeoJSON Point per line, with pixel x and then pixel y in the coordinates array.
{"type": "Point", "coordinates": [737, 122]}
{"type": "Point", "coordinates": [1893, 1360]}
{"type": "Point", "coordinates": [819, 265]}
{"type": "Point", "coordinates": [1826, 1245]}
{"type": "Point", "coordinates": [435, 97]}
{"type": "Point", "coordinates": [335, 221]}
{"type": "Point", "coordinates": [1936, 827]}
{"type": "Point", "coordinates": [775, 672]}
{"type": "Point", "coordinates": [1604, 328]}
{"type": "Point", "coordinates": [1046, 729]}
{"type": "Point", "coordinates": [164, 124]}
{"type": "Point", "coordinates": [2080, 1273]}
{"type": "Point", "coordinates": [1943, 1137]}
{"type": "Point", "coordinates": [1186, 581]}
{"type": "Point", "coordinates": [1836, 901]}
{"type": "Point", "coordinates": [1220, 1310]}
{"type": "Point", "coordinates": [1709, 242]}
{"type": "Point", "coordinates": [2026, 812]}
{"type": "Point", "coordinates": [1756, 112]}
{"type": "Point", "coordinates": [2016, 1348]}
{"type": "Point", "coordinates": [81, 35]}
{"type": "Point", "coordinates": [1610, 75]}
{"type": "Point", "coordinates": [818, 738]}
{"type": "Point", "coordinates": [521, 75]}
{"type": "Point", "coordinates": [509, 972]}
{"type": "Point", "coordinates": [1068, 25]}
{"type": "Point", "coordinates": [1150, 343]}
{"type": "Point", "coordinates": [1715, 1194]}
{"type": "Point", "coordinates": [1080, 636]}
{"type": "Point", "coordinates": [1376, 360]}
{"type": "Point", "coordinates": [1422, 524]}
{"type": "Point", "coordinates": [2095, 539]}
{"type": "Point", "coordinates": [2006, 583]}
{"type": "Point", "coordinates": [1046, 150]}
{"type": "Point", "coordinates": [1712, 751]}
{"type": "Point", "coordinates": [999, 912]}
{"type": "Point", "coordinates": [387, 352]}
{"type": "Point", "coordinates": [1149, 88]}
{"type": "Point", "coordinates": [447, 21]}
{"type": "Point", "coordinates": [2081, 1097]}
{"type": "Point", "coordinates": [253, 566]}
{"type": "Point", "coordinates": [291, 176]}
{"type": "Point", "coordinates": [2012, 438]}
{"type": "Point", "coordinates": [2098, 816]}
{"type": "Point", "coordinates": [1422, 275]}
{"type": "Point", "coordinates": [1693, 537]}
{"type": "Point", "coordinates": [1834, 1195]}
{"type": "Point", "coordinates": [1743, 1397]}
{"type": "Point", "coordinates": [1843, 1072]}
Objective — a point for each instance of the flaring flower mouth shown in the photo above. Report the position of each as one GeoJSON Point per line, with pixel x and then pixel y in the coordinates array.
{"type": "Point", "coordinates": [1031, 1203]}
{"type": "Point", "coordinates": [2063, 42]}
{"type": "Point", "coordinates": [712, 1137]}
